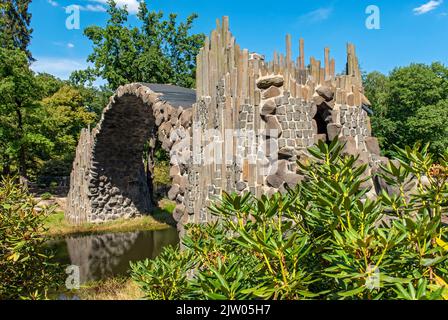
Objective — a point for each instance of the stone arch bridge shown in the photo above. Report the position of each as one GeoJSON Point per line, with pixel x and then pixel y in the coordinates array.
{"type": "Point", "coordinates": [109, 179]}
{"type": "Point", "coordinates": [254, 118]}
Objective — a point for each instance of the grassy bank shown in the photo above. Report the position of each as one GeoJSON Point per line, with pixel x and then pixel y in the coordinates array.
{"type": "Point", "coordinates": [161, 218]}
{"type": "Point", "coordinates": [111, 289]}
{"type": "Point", "coordinates": [118, 288]}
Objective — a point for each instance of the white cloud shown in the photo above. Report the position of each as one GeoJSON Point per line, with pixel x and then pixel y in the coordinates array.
{"type": "Point", "coordinates": [320, 14]}
{"type": "Point", "coordinates": [427, 7]}
{"type": "Point", "coordinates": [100, 5]}
{"type": "Point", "coordinates": [59, 67]}
{"type": "Point", "coordinates": [62, 44]}
{"type": "Point", "coordinates": [62, 68]}
{"type": "Point", "coordinates": [53, 3]}
{"type": "Point", "coordinates": [132, 5]}
{"type": "Point", "coordinates": [94, 8]}
{"type": "Point", "coordinates": [91, 7]}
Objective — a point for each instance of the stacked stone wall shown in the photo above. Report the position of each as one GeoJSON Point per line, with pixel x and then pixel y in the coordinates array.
{"type": "Point", "coordinates": [288, 107]}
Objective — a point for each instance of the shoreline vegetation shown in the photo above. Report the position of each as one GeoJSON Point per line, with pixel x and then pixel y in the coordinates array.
{"type": "Point", "coordinates": [160, 218]}
{"type": "Point", "coordinates": [114, 288]}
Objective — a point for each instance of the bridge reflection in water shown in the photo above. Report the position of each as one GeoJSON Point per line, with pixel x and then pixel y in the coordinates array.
{"type": "Point", "coordinates": [106, 255]}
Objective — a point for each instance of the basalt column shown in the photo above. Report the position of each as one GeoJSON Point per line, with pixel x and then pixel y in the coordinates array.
{"type": "Point", "coordinates": [255, 119]}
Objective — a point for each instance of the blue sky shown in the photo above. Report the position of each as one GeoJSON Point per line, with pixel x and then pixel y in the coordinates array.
{"type": "Point", "coordinates": [411, 31]}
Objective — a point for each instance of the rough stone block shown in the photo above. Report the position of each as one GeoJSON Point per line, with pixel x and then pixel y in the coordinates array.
{"type": "Point", "coordinates": [273, 127]}
{"type": "Point", "coordinates": [268, 108]}
{"type": "Point", "coordinates": [351, 99]}
{"type": "Point", "coordinates": [174, 171]}
{"type": "Point", "coordinates": [281, 110]}
{"type": "Point", "coordinates": [350, 147]}
{"type": "Point", "coordinates": [281, 143]}
{"type": "Point", "coordinates": [325, 92]}
{"type": "Point", "coordinates": [318, 100]}
{"type": "Point", "coordinates": [372, 145]}
{"type": "Point", "coordinates": [281, 118]}
{"type": "Point", "coordinates": [296, 116]}
{"type": "Point", "coordinates": [293, 179]}
{"type": "Point", "coordinates": [320, 137]}
{"type": "Point", "coordinates": [286, 152]}
{"type": "Point", "coordinates": [179, 211]}
{"type": "Point", "coordinates": [174, 191]}
{"type": "Point", "coordinates": [333, 130]}
{"type": "Point", "coordinates": [186, 118]}
{"type": "Point", "coordinates": [271, 92]}
{"type": "Point", "coordinates": [275, 180]}
{"type": "Point", "coordinates": [240, 186]}
{"type": "Point", "coordinates": [268, 81]}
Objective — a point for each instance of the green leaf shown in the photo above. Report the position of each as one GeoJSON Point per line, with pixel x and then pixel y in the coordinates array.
{"type": "Point", "coordinates": [352, 293]}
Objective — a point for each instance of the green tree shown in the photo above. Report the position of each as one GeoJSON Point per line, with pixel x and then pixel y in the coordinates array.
{"type": "Point", "coordinates": [410, 105]}
{"type": "Point", "coordinates": [15, 31]}
{"type": "Point", "coordinates": [95, 99]}
{"type": "Point", "coordinates": [58, 122]}
{"type": "Point", "coordinates": [63, 116]}
{"type": "Point", "coordinates": [48, 84]}
{"type": "Point", "coordinates": [40, 118]}
{"type": "Point", "coordinates": [18, 92]}
{"type": "Point", "coordinates": [376, 87]}
{"type": "Point", "coordinates": [430, 124]}
{"type": "Point", "coordinates": [159, 51]}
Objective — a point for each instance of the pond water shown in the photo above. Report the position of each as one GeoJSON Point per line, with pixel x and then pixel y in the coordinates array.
{"type": "Point", "coordinates": [106, 255]}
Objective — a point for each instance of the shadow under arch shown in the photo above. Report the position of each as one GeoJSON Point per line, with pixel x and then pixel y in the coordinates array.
{"type": "Point", "coordinates": [117, 155]}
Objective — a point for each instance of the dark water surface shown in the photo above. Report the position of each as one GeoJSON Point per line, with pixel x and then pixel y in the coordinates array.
{"type": "Point", "coordinates": [106, 255]}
